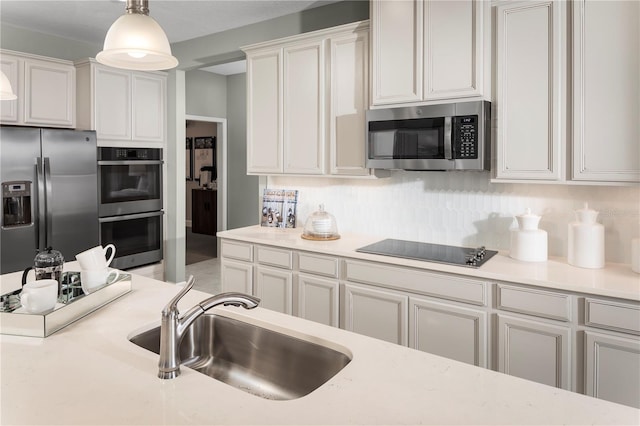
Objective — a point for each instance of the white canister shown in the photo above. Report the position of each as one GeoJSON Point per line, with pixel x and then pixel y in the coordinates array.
{"type": "Point", "coordinates": [635, 255]}
{"type": "Point", "coordinates": [586, 240]}
{"type": "Point", "coordinates": [528, 243]}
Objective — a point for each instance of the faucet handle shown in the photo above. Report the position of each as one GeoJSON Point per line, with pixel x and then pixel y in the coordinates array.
{"type": "Point", "coordinates": [173, 303]}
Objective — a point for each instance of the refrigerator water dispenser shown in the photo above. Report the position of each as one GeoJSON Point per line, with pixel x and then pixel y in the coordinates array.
{"type": "Point", "coordinates": [16, 204]}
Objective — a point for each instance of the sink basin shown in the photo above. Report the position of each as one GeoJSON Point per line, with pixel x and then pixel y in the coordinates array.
{"type": "Point", "coordinates": [254, 359]}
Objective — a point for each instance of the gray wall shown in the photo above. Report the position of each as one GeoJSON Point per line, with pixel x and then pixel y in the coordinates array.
{"type": "Point", "coordinates": [21, 40]}
{"type": "Point", "coordinates": [242, 196]}
{"type": "Point", "coordinates": [206, 94]}
{"type": "Point", "coordinates": [225, 46]}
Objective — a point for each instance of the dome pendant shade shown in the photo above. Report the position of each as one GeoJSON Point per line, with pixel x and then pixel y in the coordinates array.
{"type": "Point", "coordinates": [136, 41]}
{"type": "Point", "coordinates": [6, 92]}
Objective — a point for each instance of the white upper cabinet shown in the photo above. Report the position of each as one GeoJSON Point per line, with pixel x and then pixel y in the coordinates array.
{"type": "Point", "coordinates": [303, 108]}
{"type": "Point", "coordinates": [349, 100]}
{"type": "Point", "coordinates": [306, 102]}
{"type": "Point", "coordinates": [264, 111]}
{"type": "Point", "coordinates": [426, 50]}
{"type": "Point", "coordinates": [530, 101]}
{"type": "Point", "coordinates": [547, 51]}
{"type": "Point", "coordinates": [606, 90]}
{"type": "Point", "coordinates": [46, 90]}
{"type": "Point", "coordinates": [125, 108]}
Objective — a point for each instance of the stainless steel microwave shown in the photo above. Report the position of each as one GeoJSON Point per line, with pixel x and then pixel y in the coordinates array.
{"type": "Point", "coordinates": [453, 136]}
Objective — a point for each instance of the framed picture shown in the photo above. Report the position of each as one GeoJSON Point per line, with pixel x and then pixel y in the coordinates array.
{"type": "Point", "coordinates": [204, 159]}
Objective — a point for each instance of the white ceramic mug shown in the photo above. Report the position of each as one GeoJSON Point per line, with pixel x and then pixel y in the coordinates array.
{"type": "Point", "coordinates": [39, 296]}
{"type": "Point", "coordinates": [93, 279]}
{"type": "Point", "coordinates": [95, 258]}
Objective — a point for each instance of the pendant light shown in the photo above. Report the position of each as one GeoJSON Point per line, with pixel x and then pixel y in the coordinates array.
{"type": "Point", "coordinates": [136, 41]}
{"type": "Point", "coordinates": [6, 92]}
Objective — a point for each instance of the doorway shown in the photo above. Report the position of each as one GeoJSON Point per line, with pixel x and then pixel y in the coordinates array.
{"type": "Point", "coordinates": [205, 190]}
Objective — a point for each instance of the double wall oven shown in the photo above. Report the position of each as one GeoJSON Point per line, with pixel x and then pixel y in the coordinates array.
{"type": "Point", "coordinates": [130, 204]}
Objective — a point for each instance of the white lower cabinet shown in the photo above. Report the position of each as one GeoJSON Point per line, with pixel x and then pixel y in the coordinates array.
{"type": "Point", "coordinates": [274, 287]}
{"type": "Point", "coordinates": [318, 299]}
{"type": "Point", "coordinates": [236, 276]}
{"type": "Point", "coordinates": [375, 312]}
{"type": "Point", "coordinates": [237, 267]}
{"type": "Point", "coordinates": [535, 350]}
{"type": "Point", "coordinates": [612, 366]}
{"type": "Point", "coordinates": [448, 330]}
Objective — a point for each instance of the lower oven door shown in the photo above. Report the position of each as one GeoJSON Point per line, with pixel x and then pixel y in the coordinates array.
{"type": "Point", "coordinates": [137, 237]}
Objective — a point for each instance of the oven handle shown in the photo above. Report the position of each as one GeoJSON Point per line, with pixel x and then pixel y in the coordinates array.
{"type": "Point", "coordinates": [130, 217]}
{"type": "Point", "coordinates": [128, 162]}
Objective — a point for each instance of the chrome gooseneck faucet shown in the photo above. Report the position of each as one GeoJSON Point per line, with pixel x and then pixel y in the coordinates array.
{"type": "Point", "coordinates": [173, 326]}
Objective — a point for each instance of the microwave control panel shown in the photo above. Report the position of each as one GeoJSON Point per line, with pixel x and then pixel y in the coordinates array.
{"type": "Point", "coordinates": [465, 131]}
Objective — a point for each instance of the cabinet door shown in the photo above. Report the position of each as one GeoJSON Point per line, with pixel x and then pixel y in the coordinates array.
{"type": "Point", "coordinates": [448, 330]}
{"type": "Point", "coordinates": [318, 299]}
{"type": "Point", "coordinates": [453, 46]}
{"type": "Point", "coordinates": [112, 104]}
{"type": "Point", "coordinates": [534, 351]}
{"type": "Point", "coordinates": [274, 287]}
{"type": "Point", "coordinates": [303, 108]}
{"type": "Point", "coordinates": [49, 93]}
{"type": "Point", "coordinates": [349, 82]}
{"type": "Point", "coordinates": [530, 83]}
{"type": "Point", "coordinates": [606, 90]}
{"type": "Point", "coordinates": [396, 36]}
{"type": "Point", "coordinates": [264, 112]}
{"type": "Point", "coordinates": [149, 109]}
{"type": "Point", "coordinates": [378, 313]}
{"type": "Point", "coordinates": [10, 66]}
{"type": "Point", "coordinates": [613, 368]}
{"type": "Point", "coordinates": [236, 276]}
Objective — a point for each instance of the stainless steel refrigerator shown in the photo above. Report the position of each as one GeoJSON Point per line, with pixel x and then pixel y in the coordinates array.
{"type": "Point", "coordinates": [49, 194]}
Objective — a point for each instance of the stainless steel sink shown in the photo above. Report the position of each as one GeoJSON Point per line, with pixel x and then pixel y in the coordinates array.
{"type": "Point", "coordinates": [262, 362]}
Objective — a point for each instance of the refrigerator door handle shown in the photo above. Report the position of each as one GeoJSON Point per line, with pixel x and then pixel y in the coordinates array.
{"type": "Point", "coordinates": [48, 191]}
{"type": "Point", "coordinates": [42, 219]}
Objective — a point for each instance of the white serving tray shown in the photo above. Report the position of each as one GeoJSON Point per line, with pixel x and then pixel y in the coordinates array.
{"type": "Point", "coordinates": [42, 325]}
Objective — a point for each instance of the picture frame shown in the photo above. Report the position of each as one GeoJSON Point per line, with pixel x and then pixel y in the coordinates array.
{"type": "Point", "coordinates": [189, 158]}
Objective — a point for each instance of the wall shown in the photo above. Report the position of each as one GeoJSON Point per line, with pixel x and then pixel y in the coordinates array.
{"type": "Point", "coordinates": [243, 200]}
{"type": "Point", "coordinates": [464, 208]}
{"type": "Point", "coordinates": [225, 46]}
{"type": "Point", "coordinates": [206, 94]}
{"type": "Point", "coordinates": [21, 40]}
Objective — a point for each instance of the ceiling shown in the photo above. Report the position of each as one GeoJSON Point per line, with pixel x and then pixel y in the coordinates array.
{"type": "Point", "coordinates": [89, 20]}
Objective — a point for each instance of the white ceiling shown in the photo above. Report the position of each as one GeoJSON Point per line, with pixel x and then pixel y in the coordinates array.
{"type": "Point", "coordinates": [89, 20]}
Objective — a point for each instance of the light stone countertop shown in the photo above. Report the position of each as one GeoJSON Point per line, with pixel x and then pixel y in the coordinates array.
{"type": "Point", "coordinates": [89, 373]}
{"type": "Point", "coordinates": [614, 280]}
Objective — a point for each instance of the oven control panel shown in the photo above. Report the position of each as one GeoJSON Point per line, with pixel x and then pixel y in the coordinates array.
{"type": "Point", "coordinates": [129, 154]}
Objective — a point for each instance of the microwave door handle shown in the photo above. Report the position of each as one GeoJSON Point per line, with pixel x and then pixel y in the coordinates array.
{"type": "Point", "coordinates": [41, 226]}
{"type": "Point", "coordinates": [448, 152]}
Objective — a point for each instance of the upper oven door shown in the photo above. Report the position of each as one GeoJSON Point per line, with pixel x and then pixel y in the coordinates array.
{"type": "Point", "coordinates": [129, 186]}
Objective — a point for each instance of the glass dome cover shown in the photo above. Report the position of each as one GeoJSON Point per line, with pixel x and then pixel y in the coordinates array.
{"type": "Point", "coordinates": [320, 225]}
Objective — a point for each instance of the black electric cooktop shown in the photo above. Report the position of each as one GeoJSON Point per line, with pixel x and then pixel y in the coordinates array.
{"type": "Point", "coordinates": [461, 256]}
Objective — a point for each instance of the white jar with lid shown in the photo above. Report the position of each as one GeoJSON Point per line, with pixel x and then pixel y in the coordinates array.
{"type": "Point", "coordinates": [528, 243]}
{"type": "Point", "coordinates": [586, 240]}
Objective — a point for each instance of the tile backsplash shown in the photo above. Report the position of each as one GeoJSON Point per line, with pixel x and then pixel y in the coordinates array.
{"type": "Point", "coordinates": [465, 208]}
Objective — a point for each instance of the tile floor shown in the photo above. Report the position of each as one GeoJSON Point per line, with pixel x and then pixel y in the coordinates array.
{"type": "Point", "coordinates": [207, 275]}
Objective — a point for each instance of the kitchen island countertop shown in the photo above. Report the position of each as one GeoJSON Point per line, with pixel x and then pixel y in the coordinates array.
{"type": "Point", "coordinates": [614, 280]}
{"type": "Point", "coordinates": [89, 373]}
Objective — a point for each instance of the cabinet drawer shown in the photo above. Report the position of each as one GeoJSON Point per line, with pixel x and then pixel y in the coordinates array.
{"type": "Point", "coordinates": [236, 250]}
{"type": "Point", "coordinates": [445, 286]}
{"type": "Point", "coordinates": [534, 302]}
{"type": "Point", "coordinates": [612, 315]}
{"type": "Point", "coordinates": [319, 265]}
{"type": "Point", "coordinates": [274, 257]}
